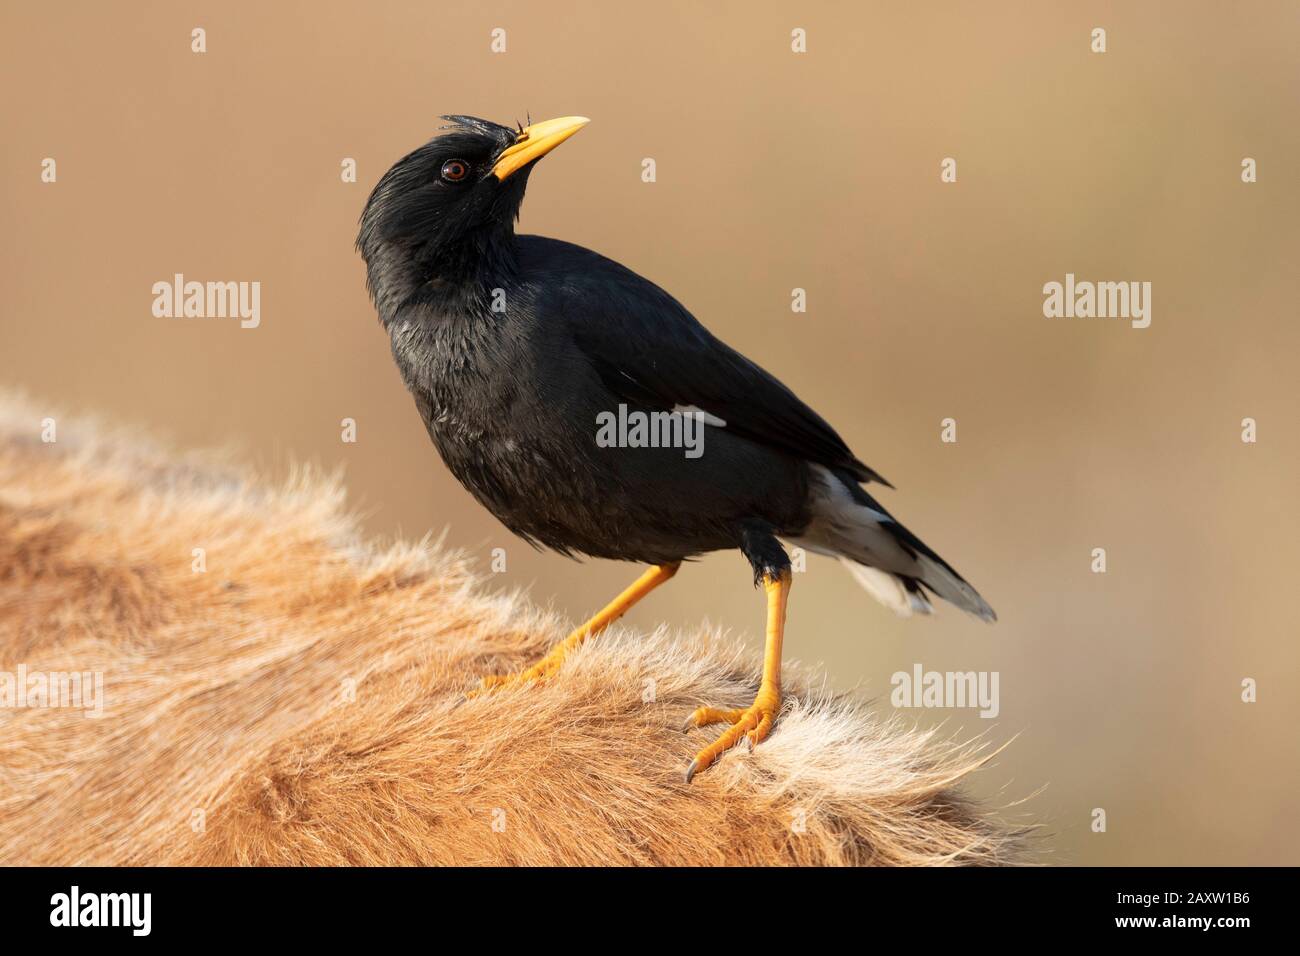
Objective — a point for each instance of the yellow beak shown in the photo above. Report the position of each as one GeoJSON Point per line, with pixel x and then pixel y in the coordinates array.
{"type": "Point", "coordinates": [535, 142]}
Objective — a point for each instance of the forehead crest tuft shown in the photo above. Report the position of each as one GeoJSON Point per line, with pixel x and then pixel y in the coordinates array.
{"type": "Point", "coordinates": [472, 124]}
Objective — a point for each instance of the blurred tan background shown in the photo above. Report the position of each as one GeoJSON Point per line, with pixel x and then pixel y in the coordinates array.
{"type": "Point", "coordinates": [775, 171]}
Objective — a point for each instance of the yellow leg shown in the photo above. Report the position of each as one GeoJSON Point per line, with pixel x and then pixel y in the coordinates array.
{"type": "Point", "coordinates": [616, 608]}
{"type": "Point", "coordinates": [753, 722]}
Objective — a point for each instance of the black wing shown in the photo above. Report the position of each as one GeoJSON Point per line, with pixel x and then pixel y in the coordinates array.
{"type": "Point", "coordinates": [649, 350]}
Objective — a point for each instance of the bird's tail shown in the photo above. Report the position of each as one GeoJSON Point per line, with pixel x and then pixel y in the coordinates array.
{"type": "Point", "coordinates": [890, 562]}
{"type": "Point", "coordinates": [904, 590]}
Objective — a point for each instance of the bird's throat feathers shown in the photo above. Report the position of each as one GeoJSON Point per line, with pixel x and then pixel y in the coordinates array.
{"type": "Point", "coordinates": [456, 278]}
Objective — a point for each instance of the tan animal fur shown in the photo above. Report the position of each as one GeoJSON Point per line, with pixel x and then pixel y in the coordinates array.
{"type": "Point", "coordinates": [300, 702]}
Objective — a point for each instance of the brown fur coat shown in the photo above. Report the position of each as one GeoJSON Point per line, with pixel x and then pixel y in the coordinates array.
{"type": "Point", "coordinates": [300, 701]}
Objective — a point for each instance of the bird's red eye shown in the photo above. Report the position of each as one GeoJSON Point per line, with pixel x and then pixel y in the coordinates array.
{"type": "Point", "coordinates": [454, 170]}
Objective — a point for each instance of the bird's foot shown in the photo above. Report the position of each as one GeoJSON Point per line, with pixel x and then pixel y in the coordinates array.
{"type": "Point", "coordinates": [539, 673]}
{"type": "Point", "coordinates": [547, 667]}
{"type": "Point", "coordinates": [753, 723]}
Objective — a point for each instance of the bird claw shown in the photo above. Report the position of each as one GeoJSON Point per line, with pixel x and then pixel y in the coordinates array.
{"type": "Point", "coordinates": [754, 723]}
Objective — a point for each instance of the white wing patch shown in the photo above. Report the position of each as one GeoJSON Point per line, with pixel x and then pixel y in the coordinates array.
{"type": "Point", "coordinates": [705, 417]}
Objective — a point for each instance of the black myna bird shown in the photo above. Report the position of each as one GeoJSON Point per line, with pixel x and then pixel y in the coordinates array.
{"type": "Point", "coordinates": [521, 350]}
